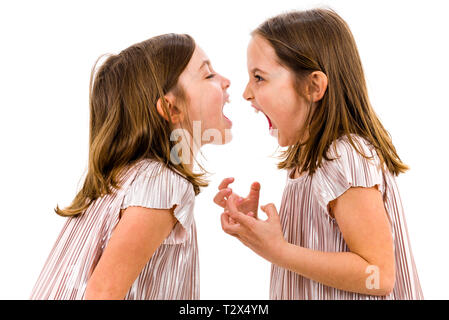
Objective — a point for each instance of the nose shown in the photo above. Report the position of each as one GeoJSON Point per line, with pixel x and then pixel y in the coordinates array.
{"type": "Point", "coordinates": [226, 83]}
{"type": "Point", "coordinates": [247, 94]}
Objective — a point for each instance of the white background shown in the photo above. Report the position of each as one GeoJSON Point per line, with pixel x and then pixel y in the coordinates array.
{"type": "Point", "coordinates": [48, 50]}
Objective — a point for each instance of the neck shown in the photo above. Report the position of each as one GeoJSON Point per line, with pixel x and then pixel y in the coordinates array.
{"type": "Point", "coordinates": [190, 145]}
{"type": "Point", "coordinates": [189, 153]}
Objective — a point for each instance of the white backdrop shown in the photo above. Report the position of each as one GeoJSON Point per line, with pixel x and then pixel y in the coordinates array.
{"type": "Point", "coordinates": [49, 47]}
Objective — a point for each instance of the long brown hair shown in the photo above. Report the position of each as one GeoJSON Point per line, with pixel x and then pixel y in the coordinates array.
{"type": "Point", "coordinates": [320, 40]}
{"type": "Point", "coordinates": [125, 126]}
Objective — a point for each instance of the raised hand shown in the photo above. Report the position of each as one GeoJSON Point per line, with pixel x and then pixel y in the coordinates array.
{"type": "Point", "coordinates": [248, 205]}
{"type": "Point", "coordinates": [264, 237]}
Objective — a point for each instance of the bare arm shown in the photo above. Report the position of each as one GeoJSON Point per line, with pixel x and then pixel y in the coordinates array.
{"type": "Point", "coordinates": [363, 221]}
{"type": "Point", "coordinates": [136, 237]}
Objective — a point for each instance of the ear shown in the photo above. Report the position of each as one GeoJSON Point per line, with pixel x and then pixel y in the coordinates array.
{"type": "Point", "coordinates": [318, 85]}
{"type": "Point", "coordinates": [174, 112]}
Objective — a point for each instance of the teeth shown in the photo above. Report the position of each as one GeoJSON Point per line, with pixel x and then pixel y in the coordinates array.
{"type": "Point", "coordinates": [256, 110]}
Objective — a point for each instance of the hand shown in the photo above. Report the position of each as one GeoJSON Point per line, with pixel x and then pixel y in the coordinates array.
{"type": "Point", "coordinates": [248, 205]}
{"type": "Point", "coordinates": [263, 237]}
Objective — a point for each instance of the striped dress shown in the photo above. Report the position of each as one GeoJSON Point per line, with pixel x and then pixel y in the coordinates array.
{"type": "Point", "coordinates": [173, 270]}
{"type": "Point", "coordinates": [306, 222]}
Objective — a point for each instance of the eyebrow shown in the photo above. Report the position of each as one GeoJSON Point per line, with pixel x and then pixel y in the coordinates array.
{"type": "Point", "coordinates": [254, 70]}
{"type": "Point", "coordinates": [205, 62]}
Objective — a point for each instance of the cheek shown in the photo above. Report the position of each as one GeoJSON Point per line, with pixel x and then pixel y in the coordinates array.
{"type": "Point", "coordinates": [211, 102]}
{"type": "Point", "coordinates": [288, 112]}
{"type": "Point", "coordinates": [267, 99]}
{"type": "Point", "coordinates": [213, 98]}
{"type": "Point", "coordinates": [204, 103]}
{"type": "Point", "coordinates": [293, 121]}
{"type": "Point", "coordinates": [276, 102]}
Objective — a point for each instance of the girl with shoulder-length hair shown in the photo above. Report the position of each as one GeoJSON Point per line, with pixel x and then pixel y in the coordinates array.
{"type": "Point", "coordinates": [130, 231]}
{"type": "Point", "coordinates": [341, 231]}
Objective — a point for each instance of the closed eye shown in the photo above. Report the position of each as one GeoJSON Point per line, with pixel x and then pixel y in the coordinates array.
{"type": "Point", "coordinates": [211, 76]}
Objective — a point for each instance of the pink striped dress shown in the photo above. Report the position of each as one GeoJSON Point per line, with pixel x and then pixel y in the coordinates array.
{"type": "Point", "coordinates": [306, 222]}
{"type": "Point", "coordinates": [173, 270]}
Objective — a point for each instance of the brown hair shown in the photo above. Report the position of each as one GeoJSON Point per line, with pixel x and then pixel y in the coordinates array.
{"type": "Point", "coordinates": [125, 126]}
{"type": "Point", "coordinates": [320, 40]}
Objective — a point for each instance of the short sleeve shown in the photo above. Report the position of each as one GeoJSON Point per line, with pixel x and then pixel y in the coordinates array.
{"type": "Point", "coordinates": [350, 169]}
{"type": "Point", "coordinates": [158, 187]}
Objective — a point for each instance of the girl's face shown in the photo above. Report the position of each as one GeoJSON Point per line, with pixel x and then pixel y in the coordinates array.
{"type": "Point", "coordinates": [205, 95]}
{"type": "Point", "coordinates": [271, 90]}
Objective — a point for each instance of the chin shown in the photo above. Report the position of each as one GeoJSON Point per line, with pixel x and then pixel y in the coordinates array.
{"type": "Point", "coordinates": [283, 143]}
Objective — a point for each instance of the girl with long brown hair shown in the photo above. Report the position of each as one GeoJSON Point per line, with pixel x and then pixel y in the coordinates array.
{"type": "Point", "coordinates": [341, 231]}
{"type": "Point", "coordinates": [130, 231]}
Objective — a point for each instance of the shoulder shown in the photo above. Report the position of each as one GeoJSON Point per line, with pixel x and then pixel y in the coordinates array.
{"type": "Point", "coordinates": [348, 169]}
{"type": "Point", "coordinates": [342, 148]}
{"type": "Point", "coordinates": [355, 164]}
{"type": "Point", "coordinates": [354, 157]}
{"type": "Point", "coordinates": [156, 186]}
{"type": "Point", "coordinates": [149, 170]}
{"type": "Point", "coordinates": [159, 187]}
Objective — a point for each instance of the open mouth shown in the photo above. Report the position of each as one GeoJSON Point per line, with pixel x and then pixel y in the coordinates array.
{"type": "Point", "coordinates": [271, 128]}
{"type": "Point", "coordinates": [270, 124]}
{"type": "Point", "coordinates": [226, 101]}
{"type": "Point", "coordinates": [226, 118]}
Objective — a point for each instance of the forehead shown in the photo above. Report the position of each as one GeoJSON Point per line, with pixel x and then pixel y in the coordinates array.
{"type": "Point", "coordinates": [197, 60]}
{"type": "Point", "coordinates": [261, 54]}
{"type": "Point", "coordinates": [192, 72]}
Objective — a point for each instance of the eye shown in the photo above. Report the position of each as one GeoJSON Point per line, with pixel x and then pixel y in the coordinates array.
{"type": "Point", "coordinates": [211, 76]}
{"type": "Point", "coordinates": [258, 78]}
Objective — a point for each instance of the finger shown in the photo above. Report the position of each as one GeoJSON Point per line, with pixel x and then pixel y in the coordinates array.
{"type": "Point", "coordinates": [224, 184]}
{"type": "Point", "coordinates": [231, 203]}
{"type": "Point", "coordinates": [254, 191]}
{"type": "Point", "coordinates": [232, 229]}
{"type": "Point", "coordinates": [239, 217]}
{"type": "Point", "coordinates": [230, 220]}
{"type": "Point", "coordinates": [220, 197]}
{"type": "Point", "coordinates": [270, 210]}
